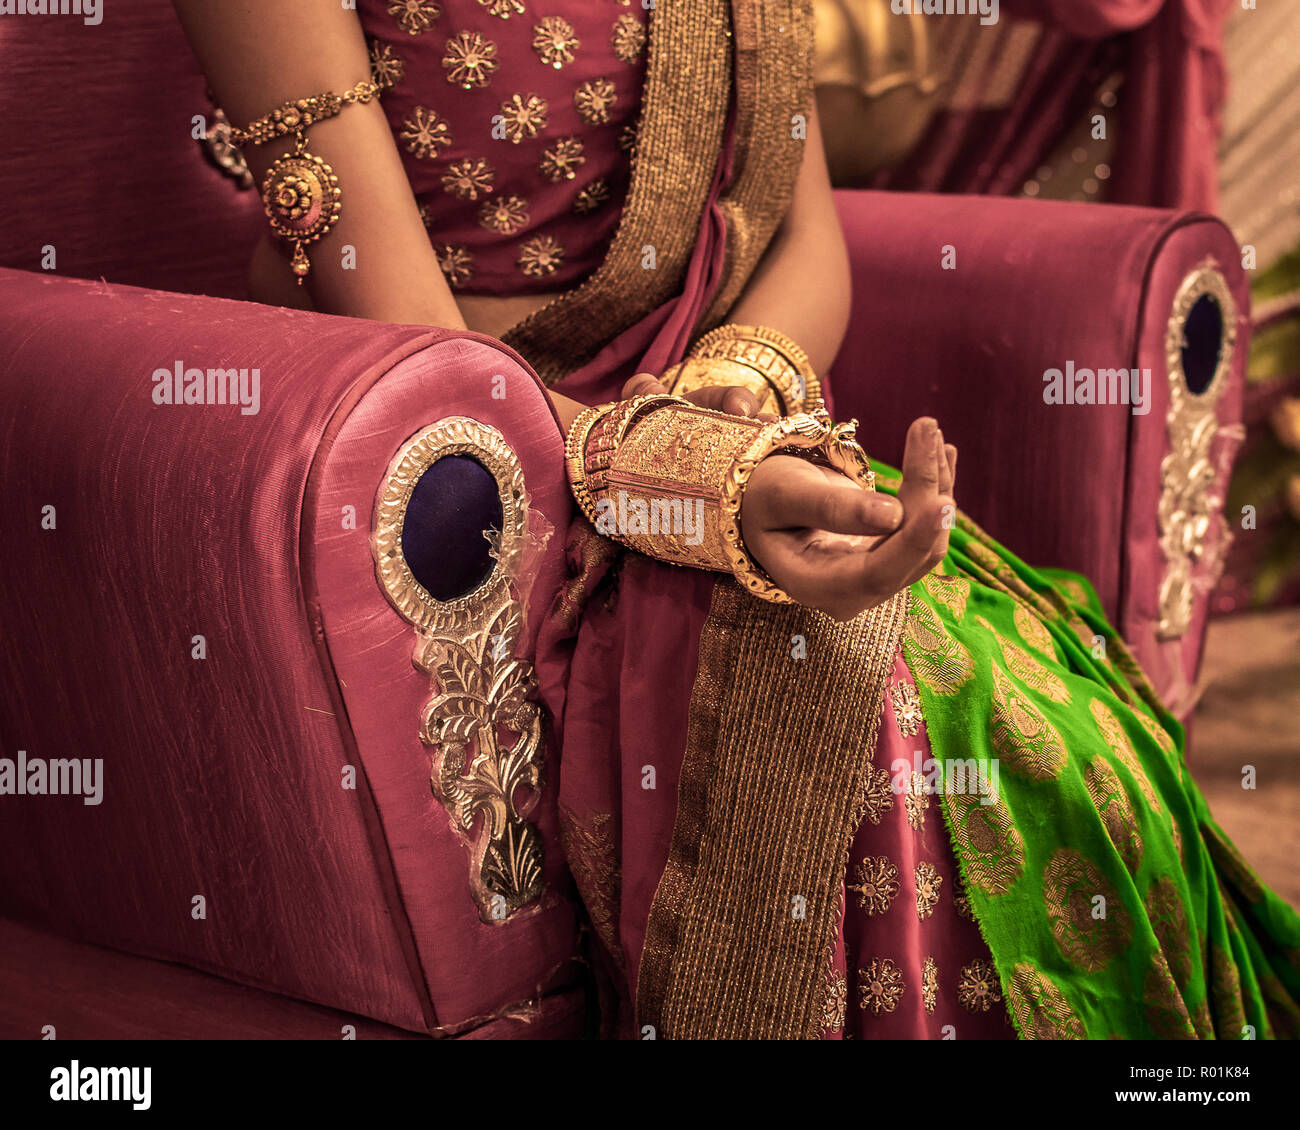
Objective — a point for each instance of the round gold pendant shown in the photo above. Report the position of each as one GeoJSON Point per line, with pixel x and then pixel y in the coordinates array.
{"type": "Point", "coordinates": [302, 195]}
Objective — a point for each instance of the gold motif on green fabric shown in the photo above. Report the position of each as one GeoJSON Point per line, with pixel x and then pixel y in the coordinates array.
{"type": "Point", "coordinates": [1033, 631]}
{"type": "Point", "coordinates": [986, 838]}
{"type": "Point", "coordinates": [1027, 744]}
{"type": "Point", "coordinates": [1088, 933]}
{"type": "Point", "coordinates": [1122, 749]}
{"type": "Point", "coordinates": [1169, 924]}
{"type": "Point", "coordinates": [938, 661]}
{"type": "Point", "coordinates": [1225, 994]}
{"type": "Point", "coordinates": [1229, 860]}
{"type": "Point", "coordinates": [1039, 1008]}
{"type": "Point", "coordinates": [1027, 669]}
{"type": "Point", "coordinates": [1116, 811]}
{"type": "Point", "coordinates": [952, 592]}
{"type": "Point", "coordinates": [1165, 1009]}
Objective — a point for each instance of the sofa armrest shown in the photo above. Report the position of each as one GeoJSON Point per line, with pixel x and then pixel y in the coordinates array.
{"type": "Point", "coordinates": [963, 304]}
{"type": "Point", "coordinates": [172, 607]}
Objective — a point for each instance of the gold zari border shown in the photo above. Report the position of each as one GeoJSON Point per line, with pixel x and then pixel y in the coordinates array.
{"type": "Point", "coordinates": [743, 923]}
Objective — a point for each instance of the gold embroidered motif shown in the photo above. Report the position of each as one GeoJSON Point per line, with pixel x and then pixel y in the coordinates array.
{"type": "Point", "coordinates": [591, 197]}
{"type": "Point", "coordinates": [1122, 749]}
{"type": "Point", "coordinates": [1027, 669]}
{"type": "Point", "coordinates": [929, 984]}
{"type": "Point", "coordinates": [978, 988]}
{"type": "Point", "coordinates": [1000, 574]}
{"type": "Point", "coordinates": [877, 884]}
{"type": "Point", "coordinates": [1071, 883]}
{"type": "Point", "coordinates": [1229, 860]}
{"type": "Point", "coordinates": [592, 854]}
{"type": "Point", "coordinates": [541, 256]}
{"type": "Point", "coordinates": [938, 661]}
{"type": "Point", "coordinates": [628, 39]}
{"type": "Point", "coordinates": [1169, 924]}
{"type": "Point", "coordinates": [562, 160]}
{"type": "Point", "coordinates": [1158, 733]}
{"type": "Point", "coordinates": [1166, 1011]}
{"type": "Point", "coordinates": [877, 794]}
{"type": "Point", "coordinates": [907, 708]}
{"type": "Point", "coordinates": [457, 263]}
{"type": "Point", "coordinates": [1025, 741]}
{"type": "Point", "coordinates": [595, 100]}
{"type": "Point", "coordinates": [1225, 993]}
{"type": "Point", "coordinates": [880, 986]}
{"type": "Point", "coordinates": [1040, 1008]}
{"type": "Point", "coordinates": [555, 42]}
{"type": "Point", "coordinates": [503, 8]}
{"type": "Point", "coordinates": [468, 177]}
{"type": "Point", "coordinates": [506, 215]}
{"type": "Point", "coordinates": [425, 133]}
{"type": "Point", "coordinates": [987, 839]}
{"type": "Point", "coordinates": [835, 1002]}
{"type": "Point", "coordinates": [1033, 631]}
{"type": "Point", "coordinates": [960, 900]}
{"type": "Point", "coordinates": [1116, 811]}
{"type": "Point", "coordinates": [414, 16]}
{"type": "Point", "coordinates": [950, 591]}
{"type": "Point", "coordinates": [928, 881]}
{"type": "Point", "coordinates": [627, 139]}
{"type": "Point", "coordinates": [470, 60]}
{"type": "Point", "coordinates": [918, 801]}
{"type": "Point", "coordinates": [1075, 591]}
{"type": "Point", "coordinates": [387, 68]}
{"type": "Point", "coordinates": [524, 116]}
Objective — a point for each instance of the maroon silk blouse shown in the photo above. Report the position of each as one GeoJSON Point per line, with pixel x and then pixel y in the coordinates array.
{"type": "Point", "coordinates": [516, 120]}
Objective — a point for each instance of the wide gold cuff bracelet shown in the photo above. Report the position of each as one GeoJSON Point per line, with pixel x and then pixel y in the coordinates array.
{"type": "Point", "coordinates": [667, 478]}
{"type": "Point", "coordinates": [768, 363]}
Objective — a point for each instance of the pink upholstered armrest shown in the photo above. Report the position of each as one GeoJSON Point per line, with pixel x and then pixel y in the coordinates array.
{"type": "Point", "coordinates": [188, 595]}
{"type": "Point", "coordinates": [963, 304]}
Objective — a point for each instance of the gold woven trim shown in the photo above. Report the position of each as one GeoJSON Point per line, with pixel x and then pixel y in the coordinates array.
{"type": "Point", "coordinates": [771, 794]}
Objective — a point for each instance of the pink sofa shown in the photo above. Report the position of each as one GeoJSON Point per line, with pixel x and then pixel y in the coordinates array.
{"type": "Point", "coordinates": [323, 905]}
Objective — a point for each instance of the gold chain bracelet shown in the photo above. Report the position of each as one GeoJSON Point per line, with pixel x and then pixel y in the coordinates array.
{"type": "Point", "coordinates": [300, 191]}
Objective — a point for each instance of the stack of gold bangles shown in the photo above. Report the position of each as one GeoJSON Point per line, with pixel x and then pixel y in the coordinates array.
{"type": "Point", "coordinates": [772, 366]}
{"type": "Point", "coordinates": [666, 478]}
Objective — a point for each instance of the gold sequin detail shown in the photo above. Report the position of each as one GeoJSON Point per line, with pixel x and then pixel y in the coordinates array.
{"type": "Point", "coordinates": [386, 67]}
{"type": "Point", "coordinates": [1027, 743]}
{"type": "Point", "coordinates": [1028, 669]}
{"type": "Point", "coordinates": [414, 16]}
{"type": "Point", "coordinates": [505, 215]}
{"type": "Point", "coordinates": [987, 840]}
{"type": "Point", "coordinates": [563, 159]}
{"type": "Point", "coordinates": [1070, 883]}
{"type": "Point", "coordinates": [877, 884]}
{"type": "Point", "coordinates": [918, 801]}
{"type": "Point", "coordinates": [1033, 631]}
{"type": "Point", "coordinates": [1040, 1008]}
{"type": "Point", "coordinates": [524, 116]}
{"type": "Point", "coordinates": [953, 592]}
{"type": "Point", "coordinates": [978, 988]}
{"type": "Point", "coordinates": [555, 42]}
{"type": "Point", "coordinates": [939, 661]}
{"type": "Point", "coordinates": [425, 133]}
{"type": "Point", "coordinates": [595, 100]}
{"type": "Point", "coordinates": [907, 708]}
{"type": "Point", "coordinates": [1116, 811]}
{"type": "Point", "coordinates": [835, 1002]}
{"type": "Point", "coordinates": [469, 177]}
{"type": "Point", "coordinates": [503, 8]}
{"type": "Point", "coordinates": [928, 881]}
{"type": "Point", "coordinates": [541, 256]}
{"type": "Point", "coordinates": [878, 795]}
{"type": "Point", "coordinates": [457, 264]}
{"type": "Point", "coordinates": [1166, 1011]}
{"type": "Point", "coordinates": [628, 39]}
{"type": "Point", "coordinates": [470, 60]}
{"type": "Point", "coordinates": [880, 986]}
{"type": "Point", "coordinates": [929, 984]}
{"type": "Point", "coordinates": [591, 197]}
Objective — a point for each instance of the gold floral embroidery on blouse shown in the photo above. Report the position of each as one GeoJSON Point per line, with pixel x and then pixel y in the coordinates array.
{"type": "Point", "coordinates": [978, 988]}
{"type": "Point", "coordinates": [628, 39]}
{"type": "Point", "coordinates": [627, 139]}
{"type": "Point", "coordinates": [541, 256]}
{"type": "Point", "coordinates": [468, 177]}
{"type": "Point", "coordinates": [563, 159]}
{"type": "Point", "coordinates": [880, 986]}
{"type": "Point", "coordinates": [591, 197]}
{"type": "Point", "coordinates": [503, 8]}
{"type": "Point", "coordinates": [877, 884]}
{"type": "Point", "coordinates": [835, 1002]}
{"type": "Point", "coordinates": [928, 882]}
{"type": "Point", "coordinates": [1028, 744]}
{"type": "Point", "coordinates": [414, 16]}
{"type": "Point", "coordinates": [555, 42]}
{"type": "Point", "coordinates": [877, 795]}
{"type": "Point", "coordinates": [425, 133]}
{"type": "Point", "coordinates": [525, 116]}
{"type": "Point", "coordinates": [595, 100]}
{"type": "Point", "coordinates": [457, 264]}
{"type": "Point", "coordinates": [1040, 1008]}
{"type": "Point", "coordinates": [470, 60]}
{"type": "Point", "coordinates": [961, 900]}
{"type": "Point", "coordinates": [907, 708]}
{"type": "Point", "coordinates": [929, 984]}
{"type": "Point", "coordinates": [505, 215]}
{"type": "Point", "coordinates": [386, 66]}
{"type": "Point", "coordinates": [1089, 934]}
{"type": "Point", "coordinates": [918, 801]}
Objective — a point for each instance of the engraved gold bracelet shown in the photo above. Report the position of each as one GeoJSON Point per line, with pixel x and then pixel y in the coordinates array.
{"type": "Point", "coordinates": [768, 363]}
{"type": "Point", "coordinates": [300, 191]}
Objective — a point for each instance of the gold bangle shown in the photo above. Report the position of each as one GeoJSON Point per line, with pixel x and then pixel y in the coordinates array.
{"type": "Point", "coordinates": [300, 192]}
{"type": "Point", "coordinates": [789, 384]}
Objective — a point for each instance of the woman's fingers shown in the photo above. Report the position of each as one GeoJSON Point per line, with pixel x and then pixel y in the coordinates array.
{"type": "Point", "coordinates": [796, 494]}
{"type": "Point", "coordinates": [643, 384]}
{"type": "Point", "coordinates": [943, 469]}
{"type": "Point", "coordinates": [950, 451]}
{"type": "Point", "coordinates": [732, 399]}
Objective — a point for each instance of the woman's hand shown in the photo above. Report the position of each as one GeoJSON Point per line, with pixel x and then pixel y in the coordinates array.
{"type": "Point", "coordinates": [732, 399]}
{"type": "Point", "coordinates": [834, 546]}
